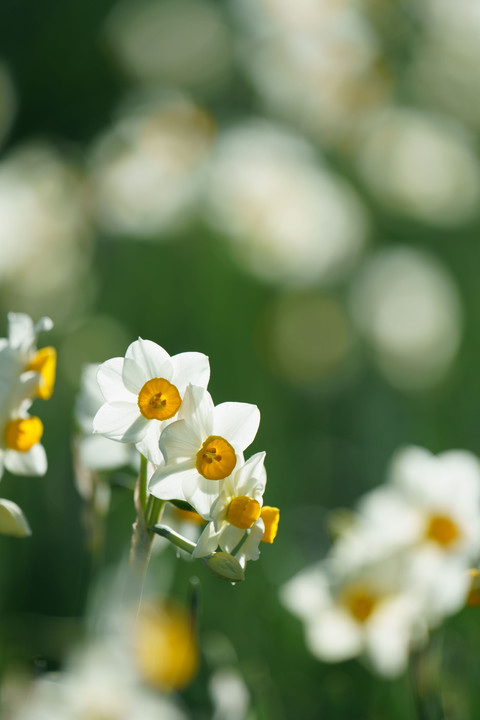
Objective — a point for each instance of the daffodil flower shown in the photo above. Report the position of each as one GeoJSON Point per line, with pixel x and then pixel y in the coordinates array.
{"type": "Point", "coordinates": [21, 362]}
{"type": "Point", "coordinates": [144, 392]}
{"type": "Point", "coordinates": [20, 450]}
{"type": "Point", "coordinates": [430, 509]}
{"type": "Point", "coordinates": [237, 512]}
{"type": "Point", "coordinates": [367, 611]}
{"type": "Point", "coordinates": [202, 448]}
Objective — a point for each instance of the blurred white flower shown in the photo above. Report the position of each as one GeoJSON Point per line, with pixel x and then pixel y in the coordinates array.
{"type": "Point", "coordinates": [422, 165]}
{"type": "Point", "coordinates": [429, 511]}
{"type": "Point", "coordinates": [21, 361]}
{"type": "Point", "coordinates": [96, 452]}
{"type": "Point", "coordinates": [442, 498]}
{"type": "Point", "coordinates": [407, 306]}
{"type": "Point", "coordinates": [98, 682]}
{"type": "Point", "coordinates": [20, 449]}
{"type": "Point", "coordinates": [444, 71]}
{"type": "Point", "coordinates": [230, 696]}
{"type": "Point", "coordinates": [25, 374]}
{"type": "Point", "coordinates": [290, 219]}
{"type": "Point", "coordinates": [366, 611]}
{"type": "Point", "coordinates": [318, 65]}
{"type": "Point", "coordinates": [175, 42]}
{"type": "Point", "coordinates": [147, 170]}
{"type": "Point", "coordinates": [43, 233]}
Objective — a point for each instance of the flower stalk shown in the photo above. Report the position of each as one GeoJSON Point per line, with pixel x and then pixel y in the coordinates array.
{"type": "Point", "coordinates": [149, 510]}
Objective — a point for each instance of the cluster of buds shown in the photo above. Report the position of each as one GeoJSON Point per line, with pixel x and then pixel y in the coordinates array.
{"type": "Point", "coordinates": [192, 454]}
{"type": "Point", "coordinates": [26, 373]}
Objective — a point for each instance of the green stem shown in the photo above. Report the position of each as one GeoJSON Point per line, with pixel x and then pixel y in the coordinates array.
{"type": "Point", "coordinates": [149, 510]}
{"type": "Point", "coordinates": [174, 538]}
{"type": "Point", "coordinates": [153, 512]}
{"type": "Point", "coordinates": [143, 481]}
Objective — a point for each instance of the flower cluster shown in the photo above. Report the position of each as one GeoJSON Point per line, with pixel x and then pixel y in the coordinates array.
{"type": "Point", "coordinates": [26, 373]}
{"type": "Point", "coordinates": [400, 567]}
{"type": "Point", "coordinates": [195, 449]}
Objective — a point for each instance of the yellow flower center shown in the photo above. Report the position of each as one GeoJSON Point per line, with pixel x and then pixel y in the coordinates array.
{"type": "Point", "coordinates": [271, 518]}
{"type": "Point", "coordinates": [216, 458]}
{"type": "Point", "coordinates": [360, 603]}
{"type": "Point", "coordinates": [21, 435]}
{"type": "Point", "coordinates": [442, 530]}
{"type": "Point", "coordinates": [159, 399]}
{"type": "Point", "coordinates": [243, 512]}
{"type": "Point", "coordinates": [44, 362]}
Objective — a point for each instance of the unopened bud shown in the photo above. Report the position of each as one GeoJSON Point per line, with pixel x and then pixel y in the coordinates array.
{"type": "Point", "coordinates": [225, 566]}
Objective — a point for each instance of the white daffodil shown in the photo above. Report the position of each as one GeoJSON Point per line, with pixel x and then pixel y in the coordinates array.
{"type": "Point", "coordinates": [238, 511]}
{"type": "Point", "coordinates": [442, 497]}
{"type": "Point", "coordinates": [20, 450]}
{"type": "Point", "coordinates": [144, 392]}
{"type": "Point", "coordinates": [202, 448]}
{"type": "Point", "coordinates": [20, 361]}
{"type": "Point", "coordinates": [430, 509]}
{"type": "Point", "coordinates": [98, 682]}
{"type": "Point", "coordinates": [363, 612]}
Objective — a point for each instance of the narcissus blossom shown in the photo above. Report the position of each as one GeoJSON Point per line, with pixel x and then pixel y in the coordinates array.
{"type": "Point", "coordinates": [202, 448]}
{"type": "Point", "coordinates": [442, 503]}
{"type": "Point", "coordinates": [20, 450]}
{"type": "Point", "coordinates": [21, 362]}
{"type": "Point", "coordinates": [430, 508]}
{"type": "Point", "coordinates": [237, 511]}
{"type": "Point", "coordinates": [363, 612]}
{"type": "Point", "coordinates": [144, 393]}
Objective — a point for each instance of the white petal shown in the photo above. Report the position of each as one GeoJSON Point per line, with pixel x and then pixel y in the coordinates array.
{"type": "Point", "coordinates": [200, 492]}
{"type": "Point", "coordinates": [190, 368]}
{"type": "Point", "coordinates": [45, 324]}
{"type": "Point", "coordinates": [168, 485]}
{"type": "Point", "coordinates": [134, 376]}
{"type": "Point", "coordinates": [25, 388]}
{"type": "Point", "coordinates": [236, 422]}
{"type": "Point", "coordinates": [148, 445]}
{"type": "Point", "coordinates": [250, 548]}
{"type": "Point", "coordinates": [334, 636]}
{"type": "Point", "coordinates": [251, 477]}
{"type": "Point", "coordinates": [151, 358]}
{"type": "Point", "coordinates": [120, 421]}
{"type": "Point", "coordinates": [388, 636]}
{"type": "Point", "coordinates": [33, 462]}
{"type": "Point", "coordinates": [197, 410]}
{"type": "Point", "coordinates": [110, 381]}
{"type": "Point", "coordinates": [306, 594]}
{"type": "Point", "coordinates": [180, 441]}
{"type": "Point", "coordinates": [207, 542]}
{"type": "Point", "coordinates": [230, 538]}
{"type": "Point", "coordinates": [21, 333]}
{"type": "Point", "coordinates": [12, 520]}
